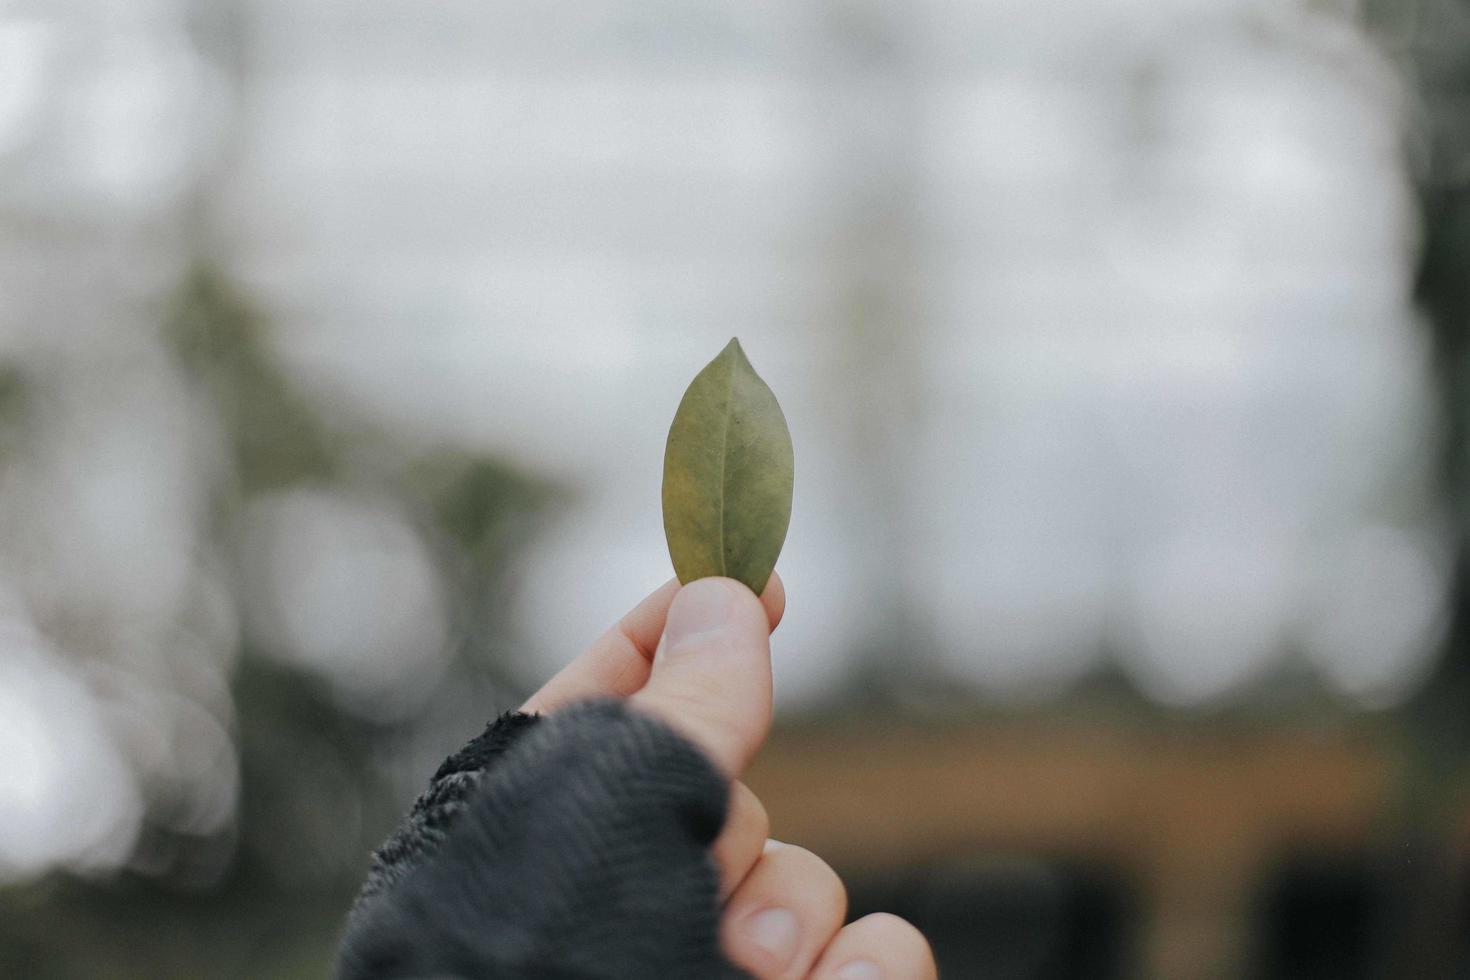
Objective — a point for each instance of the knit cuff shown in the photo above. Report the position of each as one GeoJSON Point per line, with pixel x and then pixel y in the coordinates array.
{"type": "Point", "coordinates": [574, 845]}
{"type": "Point", "coordinates": [434, 813]}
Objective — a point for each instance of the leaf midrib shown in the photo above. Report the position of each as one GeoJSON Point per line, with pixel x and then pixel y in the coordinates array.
{"type": "Point", "coordinates": [724, 458]}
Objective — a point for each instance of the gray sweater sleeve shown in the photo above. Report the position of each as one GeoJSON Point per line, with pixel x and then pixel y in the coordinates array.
{"type": "Point", "coordinates": [574, 845]}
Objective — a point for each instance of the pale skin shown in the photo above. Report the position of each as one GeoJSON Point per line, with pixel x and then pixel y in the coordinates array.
{"type": "Point", "coordinates": [699, 658]}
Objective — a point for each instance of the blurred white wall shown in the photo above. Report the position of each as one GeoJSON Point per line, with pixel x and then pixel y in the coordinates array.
{"type": "Point", "coordinates": [1092, 324]}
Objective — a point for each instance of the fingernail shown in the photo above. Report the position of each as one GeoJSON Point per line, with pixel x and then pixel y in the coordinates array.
{"type": "Point", "coordinates": [859, 970]}
{"type": "Point", "coordinates": [774, 931]}
{"type": "Point", "coordinates": [702, 606]}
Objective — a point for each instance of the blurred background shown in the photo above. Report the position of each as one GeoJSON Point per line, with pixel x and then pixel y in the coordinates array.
{"type": "Point", "coordinates": [1125, 349]}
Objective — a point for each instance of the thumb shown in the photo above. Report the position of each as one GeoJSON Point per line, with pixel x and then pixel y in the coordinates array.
{"type": "Point", "coordinates": [711, 678]}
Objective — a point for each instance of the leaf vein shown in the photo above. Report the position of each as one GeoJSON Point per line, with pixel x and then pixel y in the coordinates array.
{"type": "Point", "coordinates": [724, 462]}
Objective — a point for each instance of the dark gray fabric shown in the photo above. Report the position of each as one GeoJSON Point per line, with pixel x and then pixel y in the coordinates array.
{"type": "Point", "coordinates": [563, 847]}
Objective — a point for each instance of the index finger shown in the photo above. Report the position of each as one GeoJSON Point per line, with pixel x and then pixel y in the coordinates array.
{"type": "Point", "coordinates": [617, 664]}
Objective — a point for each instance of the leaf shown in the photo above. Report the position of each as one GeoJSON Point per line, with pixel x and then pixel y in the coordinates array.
{"type": "Point", "coordinates": [727, 475]}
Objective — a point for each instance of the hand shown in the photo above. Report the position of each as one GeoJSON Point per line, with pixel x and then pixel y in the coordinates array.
{"type": "Point", "coordinates": [699, 659]}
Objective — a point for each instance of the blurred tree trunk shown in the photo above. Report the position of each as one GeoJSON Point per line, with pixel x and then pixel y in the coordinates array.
{"type": "Point", "coordinates": [1431, 40]}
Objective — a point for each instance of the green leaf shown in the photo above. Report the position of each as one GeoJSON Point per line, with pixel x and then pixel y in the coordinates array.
{"type": "Point", "coordinates": [727, 475]}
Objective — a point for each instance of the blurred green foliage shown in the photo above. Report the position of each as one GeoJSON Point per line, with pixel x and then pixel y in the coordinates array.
{"type": "Point", "coordinates": [320, 785]}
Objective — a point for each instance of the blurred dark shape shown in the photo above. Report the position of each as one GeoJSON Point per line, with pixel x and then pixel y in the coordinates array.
{"type": "Point", "coordinates": [1013, 920]}
{"type": "Point", "coordinates": [1324, 918]}
{"type": "Point", "coordinates": [481, 511]}
{"type": "Point", "coordinates": [274, 435]}
{"type": "Point", "coordinates": [1430, 40]}
{"type": "Point", "coordinates": [13, 396]}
